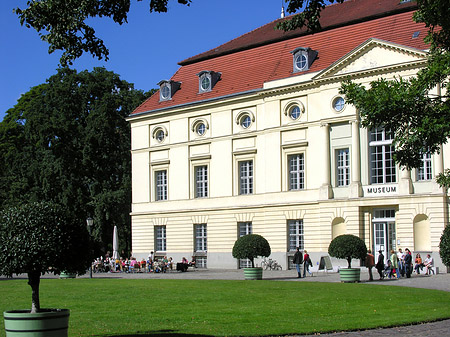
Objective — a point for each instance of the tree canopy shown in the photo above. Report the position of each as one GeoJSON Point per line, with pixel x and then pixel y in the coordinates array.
{"type": "Point", "coordinates": [67, 141]}
{"type": "Point", "coordinates": [41, 237]}
{"type": "Point", "coordinates": [63, 24]}
{"type": "Point", "coordinates": [347, 247]}
{"type": "Point", "coordinates": [250, 247]}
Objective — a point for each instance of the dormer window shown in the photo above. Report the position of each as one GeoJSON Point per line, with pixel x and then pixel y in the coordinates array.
{"type": "Point", "coordinates": [303, 58]}
{"type": "Point", "coordinates": [207, 80]}
{"type": "Point", "coordinates": [167, 89]}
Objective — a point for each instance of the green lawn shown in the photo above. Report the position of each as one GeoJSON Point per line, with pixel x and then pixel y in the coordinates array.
{"type": "Point", "coordinates": [114, 307]}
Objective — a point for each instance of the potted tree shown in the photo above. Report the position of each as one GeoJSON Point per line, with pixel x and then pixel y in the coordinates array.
{"type": "Point", "coordinates": [249, 247]}
{"type": "Point", "coordinates": [37, 238]}
{"type": "Point", "coordinates": [348, 247]}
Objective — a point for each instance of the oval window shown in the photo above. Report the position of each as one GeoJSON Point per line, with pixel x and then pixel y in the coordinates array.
{"type": "Point", "coordinates": [295, 112]}
{"type": "Point", "coordinates": [338, 104]}
{"type": "Point", "coordinates": [301, 61]}
{"type": "Point", "coordinates": [246, 121]}
{"type": "Point", "coordinates": [201, 129]}
{"type": "Point", "coordinates": [160, 135]}
{"type": "Point", "coordinates": [165, 92]}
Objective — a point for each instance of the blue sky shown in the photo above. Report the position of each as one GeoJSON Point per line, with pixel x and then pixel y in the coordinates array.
{"type": "Point", "coordinates": [143, 52]}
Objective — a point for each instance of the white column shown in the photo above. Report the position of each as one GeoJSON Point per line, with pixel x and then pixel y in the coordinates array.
{"type": "Point", "coordinates": [326, 191]}
{"type": "Point", "coordinates": [355, 185]}
{"type": "Point", "coordinates": [438, 168]}
{"type": "Point", "coordinates": [405, 185]}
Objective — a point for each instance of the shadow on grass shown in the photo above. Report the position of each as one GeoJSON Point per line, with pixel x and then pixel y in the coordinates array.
{"type": "Point", "coordinates": [159, 333]}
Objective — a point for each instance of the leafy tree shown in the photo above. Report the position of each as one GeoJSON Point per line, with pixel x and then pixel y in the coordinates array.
{"type": "Point", "coordinates": [347, 247]}
{"type": "Point", "coordinates": [418, 118]}
{"type": "Point", "coordinates": [444, 246]}
{"type": "Point", "coordinates": [36, 238]}
{"type": "Point", "coordinates": [251, 246]}
{"type": "Point", "coordinates": [67, 141]}
{"type": "Point", "coordinates": [62, 23]}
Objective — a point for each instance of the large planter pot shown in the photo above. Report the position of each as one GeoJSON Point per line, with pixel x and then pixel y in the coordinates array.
{"type": "Point", "coordinates": [67, 275]}
{"type": "Point", "coordinates": [47, 323]}
{"type": "Point", "coordinates": [253, 273]}
{"type": "Point", "coordinates": [350, 274]}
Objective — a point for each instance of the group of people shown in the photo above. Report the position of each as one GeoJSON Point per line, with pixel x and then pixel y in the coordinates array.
{"type": "Point", "coordinates": [151, 265]}
{"type": "Point", "coordinates": [399, 264]}
{"type": "Point", "coordinates": [300, 259]}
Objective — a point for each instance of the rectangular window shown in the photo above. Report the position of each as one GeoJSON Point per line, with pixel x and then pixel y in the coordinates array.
{"type": "Point", "coordinates": [200, 262]}
{"type": "Point", "coordinates": [160, 238]}
{"type": "Point", "coordinates": [201, 181]}
{"type": "Point", "coordinates": [296, 171]}
{"type": "Point", "coordinates": [244, 228]}
{"type": "Point", "coordinates": [343, 167]}
{"type": "Point", "coordinates": [246, 177]}
{"type": "Point", "coordinates": [161, 185]}
{"type": "Point", "coordinates": [381, 157]}
{"type": "Point", "coordinates": [295, 230]}
{"type": "Point", "coordinates": [424, 172]}
{"type": "Point", "coordinates": [200, 238]}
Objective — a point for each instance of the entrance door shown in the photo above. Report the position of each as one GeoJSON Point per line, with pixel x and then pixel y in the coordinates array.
{"type": "Point", "coordinates": [384, 232]}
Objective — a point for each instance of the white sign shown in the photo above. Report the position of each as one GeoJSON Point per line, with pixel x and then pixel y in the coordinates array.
{"type": "Point", "coordinates": [380, 190]}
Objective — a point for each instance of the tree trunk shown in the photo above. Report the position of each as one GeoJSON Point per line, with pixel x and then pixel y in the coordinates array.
{"type": "Point", "coordinates": [349, 260]}
{"type": "Point", "coordinates": [253, 262]}
{"type": "Point", "coordinates": [34, 279]}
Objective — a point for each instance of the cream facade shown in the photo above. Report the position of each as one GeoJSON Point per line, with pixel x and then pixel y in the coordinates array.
{"type": "Point", "coordinates": [290, 162]}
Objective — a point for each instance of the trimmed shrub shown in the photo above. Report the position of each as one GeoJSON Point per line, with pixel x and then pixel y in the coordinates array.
{"type": "Point", "coordinates": [39, 237]}
{"type": "Point", "coordinates": [347, 247]}
{"type": "Point", "coordinates": [251, 246]}
{"type": "Point", "coordinates": [444, 246]}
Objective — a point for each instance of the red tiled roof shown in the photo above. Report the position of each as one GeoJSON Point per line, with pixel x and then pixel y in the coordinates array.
{"type": "Point", "coordinates": [248, 69]}
{"type": "Point", "coordinates": [332, 16]}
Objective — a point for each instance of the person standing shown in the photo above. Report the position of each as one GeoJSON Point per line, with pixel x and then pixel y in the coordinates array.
{"type": "Point", "coordinates": [394, 264]}
{"type": "Point", "coordinates": [380, 264]}
{"type": "Point", "coordinates": [370, 262]}
{"type": "Point", "coordinates": [298, 260]}
{"type": "Point", "coordinates": [408, 263]}
{"type": "Point", "coordinates": [306, 264]}
{"type": "Point", "coordinates": [401, 262]}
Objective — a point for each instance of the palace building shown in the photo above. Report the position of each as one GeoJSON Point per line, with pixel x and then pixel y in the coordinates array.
{"type": "Point", "coordinates": [254, 137]}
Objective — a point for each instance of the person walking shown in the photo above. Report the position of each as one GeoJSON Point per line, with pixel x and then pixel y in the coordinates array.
{"type": "Point", "coordinates": [306, 263]}
{"type": "Point", "coordinates": [370, 262]}
{"type": "Point", "coordinates": [380, 264]}
{"type": "Point", "coordinates": [298, 260]}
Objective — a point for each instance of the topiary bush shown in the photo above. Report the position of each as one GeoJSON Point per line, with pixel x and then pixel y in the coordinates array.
{"type": "Point", "coordinates": [444, 246]}
{"type": "Point", "coordinates": [347, 247]}
{"type": "Point", "coordinates": [40, 237]}
{"type": "Point", "coordinates": [251, 246]}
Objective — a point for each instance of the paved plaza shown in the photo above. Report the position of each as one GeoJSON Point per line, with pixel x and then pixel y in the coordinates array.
{"type": "Point", "coordinates": [440, 281]}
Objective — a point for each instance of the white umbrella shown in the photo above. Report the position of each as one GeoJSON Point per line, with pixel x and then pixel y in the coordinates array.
{"type": "Point", "coordinates": [116, 255]}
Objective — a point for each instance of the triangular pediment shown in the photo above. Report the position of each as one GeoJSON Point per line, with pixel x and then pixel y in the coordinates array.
{"type": "Point", "coordinates": [374, 54]}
